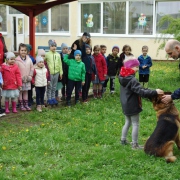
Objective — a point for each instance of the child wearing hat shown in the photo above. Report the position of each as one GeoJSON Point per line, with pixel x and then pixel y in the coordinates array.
{"type": "Point", "coordinates": [130, 93]}
{"type": "Point", "coordinates": [65, 49]}
{"type": "Point", "coordinates": [40, 80]}
{"type": "Point", "coordinates": [76, 75]}
{"type": "Point", "coordinates": [113, 65]}
{"type": "Point", "coordinates": [54, 64]}
{"type": "Point", "coordinates": [12, 81]}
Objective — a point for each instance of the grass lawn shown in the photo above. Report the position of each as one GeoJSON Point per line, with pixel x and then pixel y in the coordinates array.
{"type": "Point", "coordinates": [83, 142]}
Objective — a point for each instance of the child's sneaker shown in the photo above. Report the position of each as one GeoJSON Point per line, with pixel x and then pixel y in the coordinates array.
{"type": "Point", "coordinates": [39, 108]}
{"type": "Point", "coordinates": [54, 101]}
{"type": "Point", "coordinates": [50, 102]}
{"type": "Point", "coordinates": [137, 146]}
{"type": "Point", "coordinates": [124, 142]}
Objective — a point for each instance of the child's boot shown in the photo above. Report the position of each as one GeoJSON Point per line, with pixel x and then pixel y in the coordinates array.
{"type": "Point", "coordinates": [21, 104]}
{"type": "Point", "coordinates": [26, 105]}
{"type": "Point", "coordinates": [100, 93]}
{"type": "Point", "coordinates": [7, 107]}
{"type": "Point", "coordinates": [39, 108]}
{"type": "Point", "coordinates": [14, 107]}
{"type": "Point", "coordinates": [95, 94]}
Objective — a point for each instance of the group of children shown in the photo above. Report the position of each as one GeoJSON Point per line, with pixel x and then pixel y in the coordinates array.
{"type": "Point", "coordinates": [19, 74]}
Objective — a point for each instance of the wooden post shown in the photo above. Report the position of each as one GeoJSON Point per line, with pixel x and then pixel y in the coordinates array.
{"type": "Point", "coordinates": [32, 32]}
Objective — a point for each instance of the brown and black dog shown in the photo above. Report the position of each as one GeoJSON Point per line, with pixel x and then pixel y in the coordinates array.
{"type": "Point", "coordinates": [162, 140]}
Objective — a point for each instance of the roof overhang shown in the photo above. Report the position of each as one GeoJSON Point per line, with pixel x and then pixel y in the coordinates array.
{"type": "Point", "coordinates": [30, 2]}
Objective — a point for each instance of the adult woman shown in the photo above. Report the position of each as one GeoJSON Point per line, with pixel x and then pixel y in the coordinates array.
{"type": "Point", "coordinates": [86, 38]}
{"type": "Point", "coordinates": [3, 49]}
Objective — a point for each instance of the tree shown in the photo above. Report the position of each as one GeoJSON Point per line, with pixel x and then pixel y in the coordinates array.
{"type": "Point", "coordinates": [172, 27]}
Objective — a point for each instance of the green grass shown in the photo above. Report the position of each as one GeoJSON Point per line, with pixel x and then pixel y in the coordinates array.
{"type": "Point", "coordinates": [82, 142]}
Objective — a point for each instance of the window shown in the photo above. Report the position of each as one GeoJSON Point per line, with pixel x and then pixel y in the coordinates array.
{"type": "Point", "coordinates": [141, 18]}
{"type": "Point", "coordinates": [166, 8]}
{"type": "Point", "coordinates": [3, 26]}
{"type": "Point", "coordinates": [41, 22]}
{"type": "Point", "coordinates": [114, 17]}
{"type": "Point", "coordinates": [60, 18]}
{"type": "Point", "coordinates": [91, 18]}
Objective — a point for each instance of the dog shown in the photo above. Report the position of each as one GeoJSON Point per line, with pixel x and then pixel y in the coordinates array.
{"type": "Point", "coordinates": [162, 140]}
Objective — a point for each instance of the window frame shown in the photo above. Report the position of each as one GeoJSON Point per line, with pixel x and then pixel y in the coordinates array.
{"type": "Point", "coordinates": [50, 32]}
{"type": "Point", "coordinates": [153, 35]}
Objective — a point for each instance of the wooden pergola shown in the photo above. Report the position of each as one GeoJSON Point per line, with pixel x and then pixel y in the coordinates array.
{"type": "Point", "coordinates": [32, 8]}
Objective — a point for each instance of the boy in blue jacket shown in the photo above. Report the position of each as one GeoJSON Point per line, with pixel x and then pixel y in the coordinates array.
{"type": "Point", "coordinates": [90, 66]}
{"type": "Point", "coordinates": [144, 67]}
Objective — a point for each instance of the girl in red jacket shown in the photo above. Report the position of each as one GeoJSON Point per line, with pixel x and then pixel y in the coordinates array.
{"type": "Point", "coordinates": [101, 72]}
{"type": "Point", "coordinates": [11, 81]}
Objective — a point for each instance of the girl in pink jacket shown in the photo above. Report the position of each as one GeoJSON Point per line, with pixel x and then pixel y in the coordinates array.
{"type": "Point", "coordinates": [26, 68]}
{"type": "Point", "coordinates": [11, 81]}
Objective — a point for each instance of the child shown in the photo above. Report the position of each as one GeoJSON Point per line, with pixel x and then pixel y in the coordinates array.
{"type": "Point", "coordinates": [12, 81]}
{"type": "Point", "coordinates": [76, 75]}
{"type": "Point", "coordinates": [130, 92]}
{"type": "Point", "coordinates": [65, 50]}
{"type": "Point", "coordinates": [144, 67]}
{"type": "Point", "coordinates": [90, 66]}
{"type": "Point", "coordinates": [40, 78]}
{"type": "Point", "coordinates": [26, 69]}
{"type": "Point", "coordinates": [2, 111]}
{"type": "Point", "coordinates": [30, 92]}
{"type": "Point", "coordinates": [53, 60]}
{"type": "Point", "coordinates": [126, 52]}
{"type": "Point", "coordinates": [101, 72]}
{"type": "Point", "coordinates": [113, 64]}
{"type": "Point", "coordinates": [103, 51]}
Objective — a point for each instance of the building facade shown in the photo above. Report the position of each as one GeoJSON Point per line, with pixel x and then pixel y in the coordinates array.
{"type": "Point", "coordinates": [114, 22]}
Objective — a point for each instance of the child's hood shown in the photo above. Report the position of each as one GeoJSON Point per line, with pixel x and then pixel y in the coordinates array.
{"type": "Point", "coordinates": [126, 74]}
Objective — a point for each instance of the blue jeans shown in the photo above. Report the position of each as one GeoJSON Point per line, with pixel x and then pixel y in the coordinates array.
{"type": "Point", "coordinates": [40, 92]}
{"type": "Point", "coordinates": [70, 87]}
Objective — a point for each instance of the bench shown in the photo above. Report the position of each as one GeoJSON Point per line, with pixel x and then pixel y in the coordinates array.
{"type": "Point", "coordinates": [46, 48]}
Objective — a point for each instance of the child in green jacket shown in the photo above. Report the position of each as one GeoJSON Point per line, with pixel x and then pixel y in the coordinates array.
{"type": "Point", "coordinates": [76, 75]}
{"type": "Point", "coordinates": [54, 64]}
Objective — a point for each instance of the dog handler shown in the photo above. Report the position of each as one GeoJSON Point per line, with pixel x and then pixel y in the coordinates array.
{"type": "Point", "coordinates": [172, 48]}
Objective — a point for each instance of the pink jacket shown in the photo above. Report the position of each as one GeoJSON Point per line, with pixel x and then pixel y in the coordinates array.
{"type": "Point", "coordinates": [26, 68]}
{"type": "Point", "coordinates": [11, 77]}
